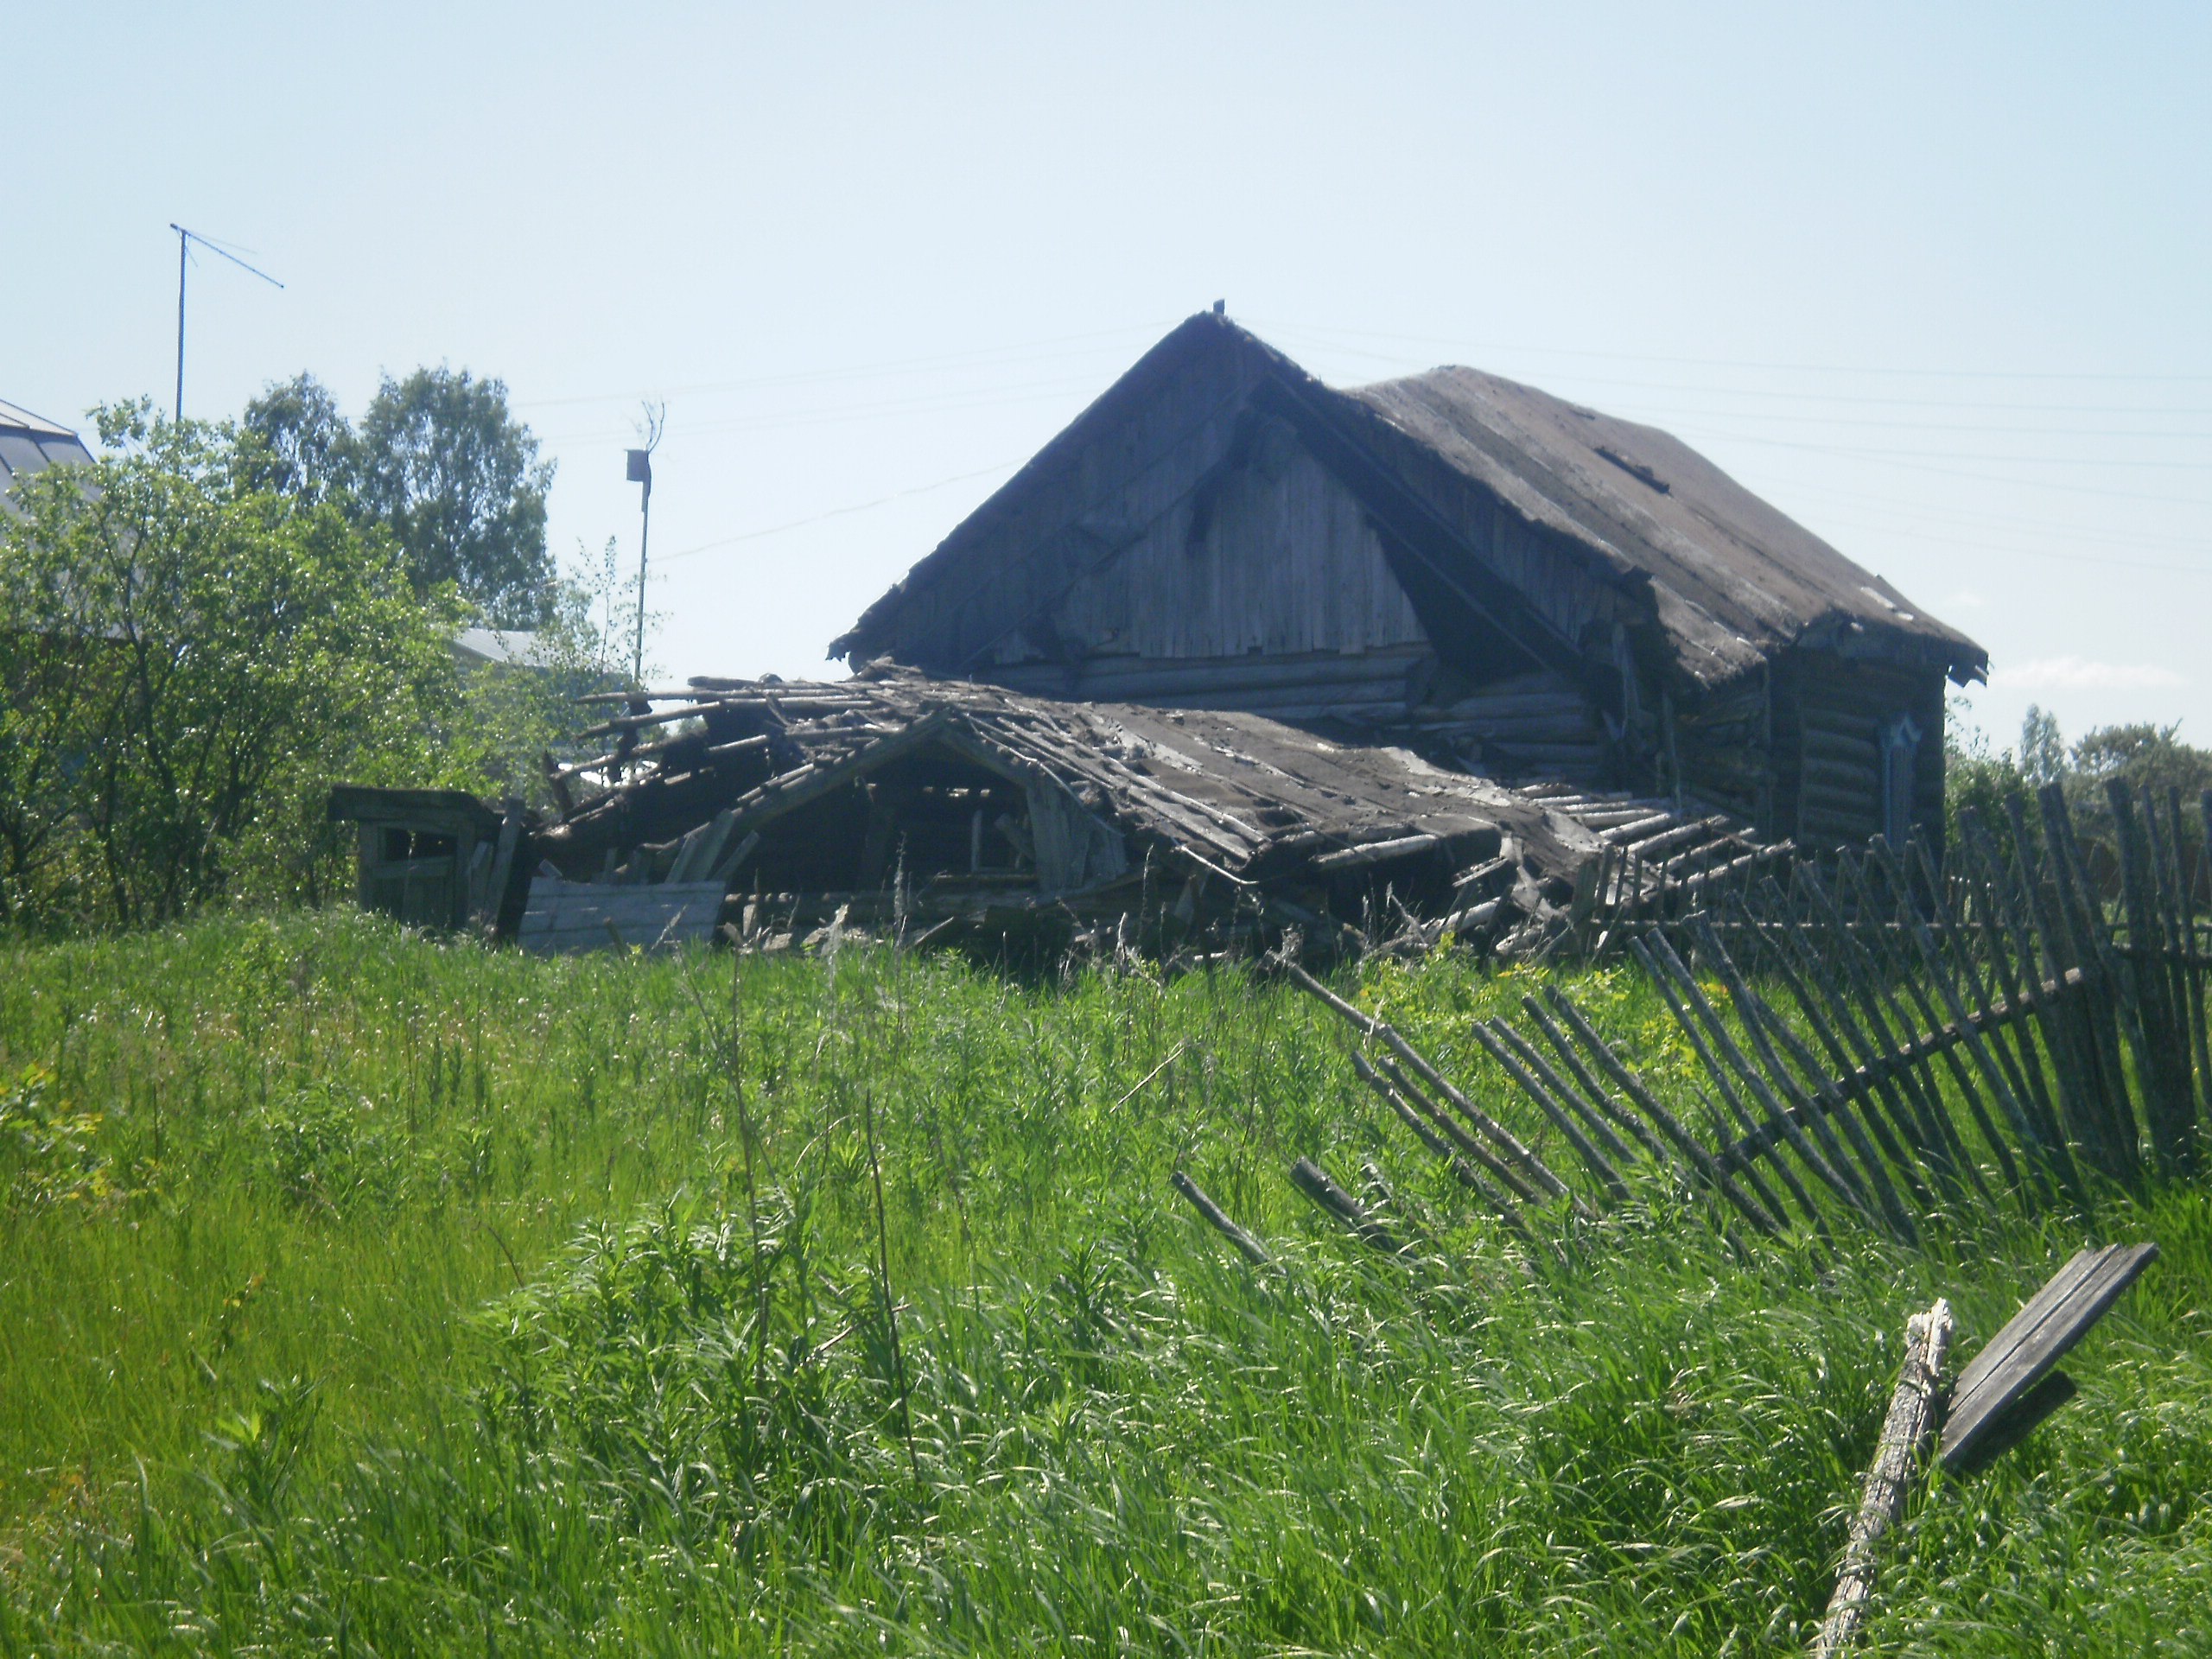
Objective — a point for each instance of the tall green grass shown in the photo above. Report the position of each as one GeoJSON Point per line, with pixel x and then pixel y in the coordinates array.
{"type": "Point", "coordinates": [361, 1292]}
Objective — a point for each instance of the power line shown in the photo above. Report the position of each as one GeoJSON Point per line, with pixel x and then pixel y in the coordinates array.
{"type": "Point", "coordinates": [1769, 368]}
{"type": "Point", "coordinates": [836, 513]}
{"type": "Point", "coordinates": [860, 371]}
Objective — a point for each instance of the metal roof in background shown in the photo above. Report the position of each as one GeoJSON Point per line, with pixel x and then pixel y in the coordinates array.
{"type": "Point", "coordinates": [30, 444]}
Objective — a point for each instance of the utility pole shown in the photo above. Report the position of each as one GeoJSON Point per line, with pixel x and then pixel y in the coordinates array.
{"type": "Point", "coordinates": [184, 240]}
{"type": "Point", "coordinates": [641, 472]}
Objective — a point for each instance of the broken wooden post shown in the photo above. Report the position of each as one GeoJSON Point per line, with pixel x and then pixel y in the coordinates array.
{"type": "Point", "coordinates": [1314, 1181]}
{"type": "Point", "coordinates": [1247, 1246]}
{"type": "Point", "coordinates": [1905, 1433]}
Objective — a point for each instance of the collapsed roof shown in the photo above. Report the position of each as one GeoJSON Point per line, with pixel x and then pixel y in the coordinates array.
{"type": "Point", "coordinates": [950, 801]}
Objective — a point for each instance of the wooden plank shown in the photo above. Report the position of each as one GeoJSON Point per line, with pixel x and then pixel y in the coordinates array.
{"type": "Point", "coordinates": [565, 916]}
{"type": "Point", "coordinates": [1377, 852]}
{"type": "Point", "coordinates": [2035, 1338]}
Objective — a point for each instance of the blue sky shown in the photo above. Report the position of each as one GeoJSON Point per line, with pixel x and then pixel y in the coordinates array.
{"type": "Point", "coordinates": [1932, 279]}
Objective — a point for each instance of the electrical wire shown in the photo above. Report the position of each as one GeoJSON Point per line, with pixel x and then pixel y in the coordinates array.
{"type": "Point", "coordinates": [835, 513]}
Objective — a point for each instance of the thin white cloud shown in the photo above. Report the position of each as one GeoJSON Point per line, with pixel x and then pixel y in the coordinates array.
{"type": "Point", "coordinates": [1965, 600]}
{"type": "Point", "coordinates": [2079, 674]}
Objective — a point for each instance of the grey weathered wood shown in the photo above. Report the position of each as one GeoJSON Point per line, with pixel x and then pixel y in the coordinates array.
{"type": "Point", "coordinates": [1593, 1092]}
{"type": "Point", "coordinates": [1905, 1430]}
{"type": "Point", "coordinates": [1498, 1136]}
{"type": "Point", "coordinates": [2189, 973]}
{"type": "Point", "coordinates": [1377, 852]}
{"type": "Point", "coordinates": [1890, 1036]}
{"type": "Point", "coordinates": [2035, 1338]}
{"type": "Point", "coordinates": [2091, 941]}
{"type": "Point", "coordinates": [1314, 1181]}
{"type": "Point", "coordinates": [570, 916]}
{"type": "Point", "coordinates": [2162, 1054]}
{"type": "Point", "coordinates": [1672, 1126]}
{"type": "Point", "coordinates": [1247, 1246]}
{"type": "Point", "coordinates": [1722, 1056]}
{"type": "Point", "coordinates": [1431, 1135]}
{"type": "Point", "coordinates": [1760, 1023]}
{"type": "Point", "coordinates": [1498, 1043]}
{"type": "Point", "coordinates": [1450, 1127]}
{"type": "Point", "coordinates": [502, 874]}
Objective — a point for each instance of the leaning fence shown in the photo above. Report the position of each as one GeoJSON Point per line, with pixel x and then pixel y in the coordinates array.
{"type": "Point", "coordinates": [1880, 1036]}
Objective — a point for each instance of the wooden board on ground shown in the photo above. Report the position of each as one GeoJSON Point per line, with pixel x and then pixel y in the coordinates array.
{"type": "Point", "coordinates": [565, 917]}
{"type": "Point", "coordinates": [2021, 1356]}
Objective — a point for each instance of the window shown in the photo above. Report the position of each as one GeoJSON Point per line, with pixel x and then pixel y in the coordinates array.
{"type": "Point", "coordinates": [1900, 755]}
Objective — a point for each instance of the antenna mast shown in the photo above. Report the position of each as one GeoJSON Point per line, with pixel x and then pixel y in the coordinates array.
{"type": "Point", "coordinates": [184, 240]}
{"type": "Point", "coordinates": [650, 426]}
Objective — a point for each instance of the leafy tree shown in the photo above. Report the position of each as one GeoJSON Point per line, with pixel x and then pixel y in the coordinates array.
{"type": "Point", "coordinates": [2043, 751]}
{"type": "Point", "coordinates": [194, 657]}
{"type": "Point", "coordinates": [457, 480]}
{"type": "Point", "coordinates": [438, 462]}
{"type": "Point", "coordinates": [299, 443]}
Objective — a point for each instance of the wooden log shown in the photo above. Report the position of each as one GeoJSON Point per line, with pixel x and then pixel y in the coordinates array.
{"type": "Point", "coordinates": [1905, 1431]}
{"type": "Point", "coordinates": [1762, 1026]}
{"type": "Point", "coordinates": [1247, 1246]}
{"type": "Point", "coordinates": [1377, 852]}
{"type": "Point", "coordinates": [1642, 1132]}
{"type": "Point", "coordinates": [2017, 1357]}
{"type": "Point", "coordinates": [1700, 1020]}
{"type": "Point", "coordinates": [1496, 1133]}
{"type": "Point", "coordinates": [1711, 1174]}
{"type": "Point", "coordinates": [1314, 1181]}
{"type": "Point", "coordinates": [1594, 1161]}
{"type": "Point", "coordinates": [1429, 1136]}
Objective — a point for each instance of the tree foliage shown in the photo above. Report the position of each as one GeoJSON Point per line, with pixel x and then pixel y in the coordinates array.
{"type": "Point", "coordinates": [194, 656]}
{"type": "Point", "coordinates": [2140, 756]}
{"type": "Point", "coordinates": [438, 462]}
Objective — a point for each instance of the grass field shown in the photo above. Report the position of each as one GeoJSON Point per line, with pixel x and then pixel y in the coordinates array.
{"type": "Point", "coordinates": [361, 1293]}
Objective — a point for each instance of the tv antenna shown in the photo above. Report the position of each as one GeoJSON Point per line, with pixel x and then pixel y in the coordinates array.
{"type": "Point", "coordinates": [184, 240]}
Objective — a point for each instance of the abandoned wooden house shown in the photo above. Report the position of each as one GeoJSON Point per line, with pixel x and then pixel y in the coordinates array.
{"type": "Point", "coordinates": [1502, 580]}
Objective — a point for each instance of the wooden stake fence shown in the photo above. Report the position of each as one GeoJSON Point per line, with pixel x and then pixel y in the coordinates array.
{"type": "Point", "coordinates": [1886, 1038]}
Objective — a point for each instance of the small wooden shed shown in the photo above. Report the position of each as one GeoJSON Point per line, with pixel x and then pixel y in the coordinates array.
{"type": "Point", "coordinates": [435, 858]}
{"type": "Point", "coordinates": [1500, 579]}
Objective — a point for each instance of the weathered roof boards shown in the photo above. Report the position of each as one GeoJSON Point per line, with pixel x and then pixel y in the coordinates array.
{"type": "Point", "coordinates": [1511, 581]}
{"type": "Point", "coordinates": [1239, 649]}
